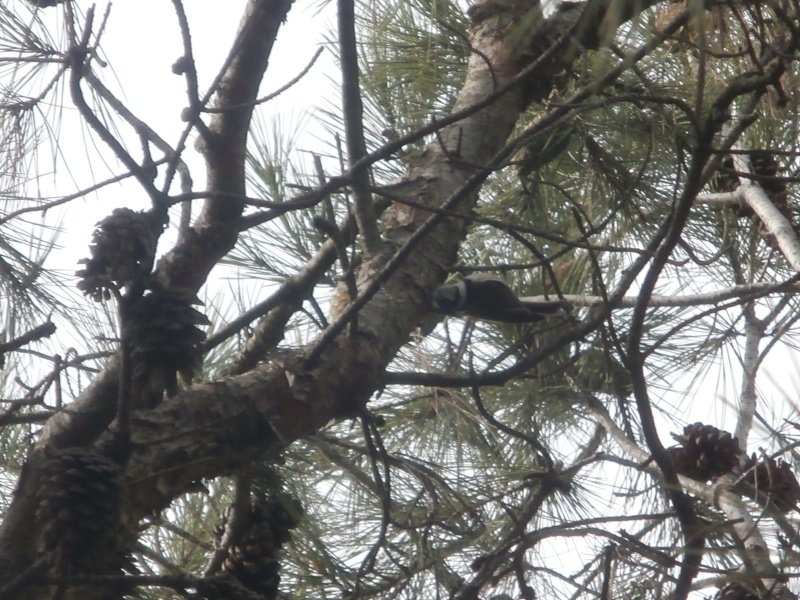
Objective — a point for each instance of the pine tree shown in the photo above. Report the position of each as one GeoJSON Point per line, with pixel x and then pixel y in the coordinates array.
{"type": "Point", "coordinates": [319, 428]}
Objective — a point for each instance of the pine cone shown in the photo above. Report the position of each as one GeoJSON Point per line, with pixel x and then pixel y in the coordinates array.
{"type": "Point", "coordinates": [253, 561]}
{"type": "Point", "coordinates": [162, 329]}
{"type": "Point", "coordinates": [80, 505]}
{"type": "Point", "coordinates": [122, 249]}
{"type": "Point", "coordinates": [705, 452]}
{"type": "Point", "coordinates": [770, 483]}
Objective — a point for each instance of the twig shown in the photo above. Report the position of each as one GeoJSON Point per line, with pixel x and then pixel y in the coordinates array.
{"type": "Point", "coordinates": [44, 207]}
{"type": "Point", "coordinates": [11, 589]}
{"type": "Point", "coordinates": [608, 556]}
{"type": "Point", "coordinates": [272, 95]}
{"type": "Point", "coordinates": [354, 127]}
{"type": "Point", "coordinates": [376, 452]}
{"type": "Point", "coordinates": [532, 441]}
{"type": "Point", "coordinates": [40, 331]}
{"type": "Point", "coordinates": [78, 64]}
{"type": "Point", "coordinates": [171, 156]}
{"type": "Point", "coordinates": [186, 64]}
{"type": "Point", "coordinates": [332, 231]}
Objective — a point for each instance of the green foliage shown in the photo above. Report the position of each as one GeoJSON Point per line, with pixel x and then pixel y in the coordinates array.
{"type": "Point", "coordinates": [496, 459]}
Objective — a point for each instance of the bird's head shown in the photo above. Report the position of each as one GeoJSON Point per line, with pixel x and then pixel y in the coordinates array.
{"type": "Point", "coordinates": [449, 299]}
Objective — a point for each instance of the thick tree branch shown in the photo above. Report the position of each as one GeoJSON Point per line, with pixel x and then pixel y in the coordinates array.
{"type": "Point", "coordinates": [186, 267]}
{"type": "Point", "coordinates": [188, 264]}
{"type": "Point", "coordinates": [214, 428]}
{"type": "Point", "coordinates": [284, 401]}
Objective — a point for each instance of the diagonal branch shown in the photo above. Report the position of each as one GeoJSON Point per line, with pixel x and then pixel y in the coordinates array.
{"type": "Point", "coordinates": [754, 196]}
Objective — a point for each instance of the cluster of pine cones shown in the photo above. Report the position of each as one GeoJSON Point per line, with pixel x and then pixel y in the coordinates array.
{"type": "Point", "coordinates": [705, 452]}
{"type": "Point", "coordinates": [160, 325]}
{"type": "Point", "coordinates": [770, 483]}
{"type": "Point", "coordinates": [752, 590]}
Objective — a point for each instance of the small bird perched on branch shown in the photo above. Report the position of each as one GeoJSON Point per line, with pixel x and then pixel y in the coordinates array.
{"type": "Point", "coordinates": [488, 298]}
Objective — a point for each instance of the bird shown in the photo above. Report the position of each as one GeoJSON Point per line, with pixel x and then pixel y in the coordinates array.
{"type": "Point", "coordinates": [488, 298]}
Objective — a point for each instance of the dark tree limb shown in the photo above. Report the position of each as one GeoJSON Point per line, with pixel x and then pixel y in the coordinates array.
{"type": "Point", "coordinates": [354, 126]}
{"type": "Point", "coordinates": [37, 333]}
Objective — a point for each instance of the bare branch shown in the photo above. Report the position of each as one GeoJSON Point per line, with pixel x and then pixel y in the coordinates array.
{"type": "Point", "coordinates": [354, 127]}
